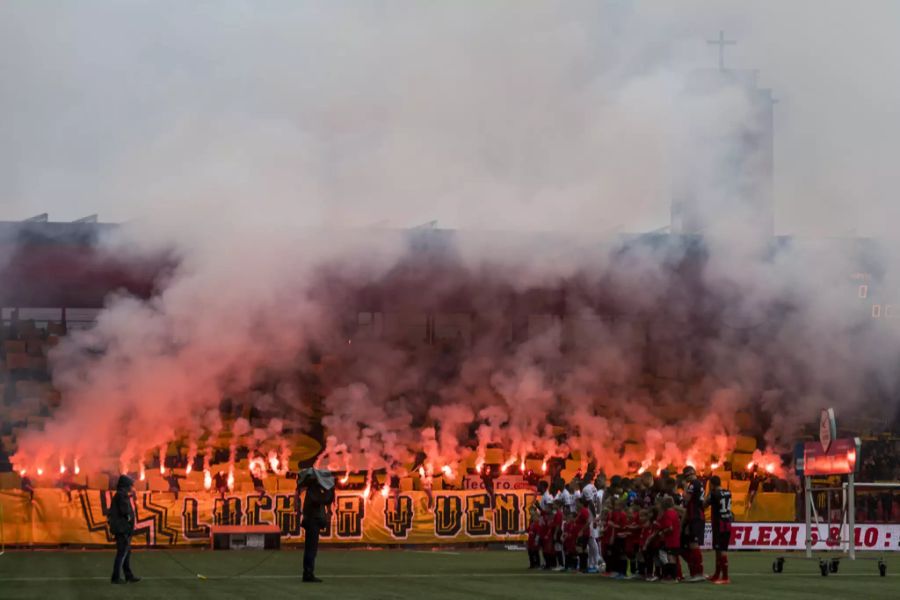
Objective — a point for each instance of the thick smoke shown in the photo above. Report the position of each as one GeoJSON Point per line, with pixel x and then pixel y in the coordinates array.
{"type": "Point", "coordinates": [282, 145]}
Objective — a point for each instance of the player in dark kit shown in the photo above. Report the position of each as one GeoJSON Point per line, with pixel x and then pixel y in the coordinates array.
{"type": "Point", "coordinates": [719, 502]}
{"type": "Point", "coordinates": [694, 524]}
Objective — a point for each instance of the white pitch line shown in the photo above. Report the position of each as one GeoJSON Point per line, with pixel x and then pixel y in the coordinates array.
{"type": "Point", "coordinates": [398, 576]}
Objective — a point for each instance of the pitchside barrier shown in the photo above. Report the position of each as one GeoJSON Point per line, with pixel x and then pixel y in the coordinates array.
{"type": "Point", "coordinates": [53, 518]}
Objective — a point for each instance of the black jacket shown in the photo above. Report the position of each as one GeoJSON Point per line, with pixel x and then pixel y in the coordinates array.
{"type": "Point", "coordinates": [121, 513]}
{"type": "Point", "coordinates": [317, 498]}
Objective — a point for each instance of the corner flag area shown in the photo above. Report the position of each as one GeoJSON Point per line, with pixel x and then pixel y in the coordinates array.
{"type": "Point", "coordinates": [375, 574]}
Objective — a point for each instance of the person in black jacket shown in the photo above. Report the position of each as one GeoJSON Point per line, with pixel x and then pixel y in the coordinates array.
{"type": "Point", "coordinates": [121, 525]}
{"type": "Point", "coordinates": [319, 486]}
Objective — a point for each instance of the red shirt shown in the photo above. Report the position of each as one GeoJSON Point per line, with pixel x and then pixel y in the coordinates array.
{"type": "Point", "coordinates": [669, 520]}
{"type": "Point", "coordinates": [556, 525]}
{"type": "Point", "coordinates": [607, 529]}
{"type": "Point", "coordinates": [620, 520]}
{"type": "Point", "coordinates": [547, 534]}
{"type": "Point", "coordinates": [634, 531]}
{"type": "Point", "coordinates": [534, 530]}
{"type": "Point", "coordinates": [644, 534]}
{"type": "Point", "coordinates": [569, 544]}
{"type": "Point", "coordinates": [582, 519]}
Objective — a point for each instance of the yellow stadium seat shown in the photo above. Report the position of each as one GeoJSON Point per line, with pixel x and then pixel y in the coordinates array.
{"type": "Point", "coordinates": [534, 464]}
{"type": "Point", "coordinates": [271, 484]}
{"type": "Point", "coordinates": [573, 466]}
{"type": "Point", "coordinates": [9, 481]}
{"type": "Point", "coordinates": [494, 456]}
{"type": "Point", "coordinates": [745, 443]}
{"type": "Point", "coordinates": [773, 506]}
{"type": "Point", "coordinates": [98, 481]}
{"type": "Point", "coordinates": [406, 484]}
{"type": "Point", "coordinates": [356, 479]}
{"type": "Point", "coordinates": [739, 461]}
{"type": "Point", "coordinates": [286, 485]}
{"type": "Point", "coordinates": [740, 489]}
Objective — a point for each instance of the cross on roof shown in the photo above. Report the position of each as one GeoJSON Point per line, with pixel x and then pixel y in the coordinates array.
{"type": "Point", "coordinates": [721, 43]}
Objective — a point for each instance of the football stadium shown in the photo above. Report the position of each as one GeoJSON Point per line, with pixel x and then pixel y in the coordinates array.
{"type": "Point", "coordinates": [364, 316]}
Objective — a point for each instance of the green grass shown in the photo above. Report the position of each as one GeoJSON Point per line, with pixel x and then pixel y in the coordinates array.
{"type": "Point", "coordinates": [373, 574]}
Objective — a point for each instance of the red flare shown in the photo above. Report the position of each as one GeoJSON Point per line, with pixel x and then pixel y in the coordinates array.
{"type": "Point", "coordinates": [422, 472]}
{"type": "Point", "coordinates": [385, 490]}
{"type": "Point", "coordinates": [367, 491]}
{"type": "Point", "coordinates": [750, 466]}
{"type": "Point", "coordinates": [446, 470]}
{"type": "Point", "coordinates": [143, 475]}
{"type": "Point", "coordinates": [207, 479]}
{"type": "Point", "coordinates": [40, 471]}
{"type": "Point", "coordinates": [22, 473]}
{"type": "Point", "coordinates": [544, 467]}
{"type": "Point", "coordinates": [62, 469]}
{"type": "Point", "coordinates": [77, 467]}
{"type": "Point", "coordinates": [188, 469]}
{"type": "Point", "coordinates": [345, 478]}
{"type": "Point", "coordinates": [770, 468]}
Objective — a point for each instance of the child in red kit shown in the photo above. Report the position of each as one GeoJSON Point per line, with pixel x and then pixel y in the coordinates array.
{"type": "Point", "coordinates": [546, 540]}
{"type": "Point", "coordinates": [618, 519]}
{"type": "Point", "coordinates": [570, 542]}
{"type": "Point", "coordinates": [583, 532]}
{"type": "Point", "coordinates": [633, 539]}
{"type": "Point", "coordinates": [557, 533]}
{"type": "Point", "coordinates": [668, 531]}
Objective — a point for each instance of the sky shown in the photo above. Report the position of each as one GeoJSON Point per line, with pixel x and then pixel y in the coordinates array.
{"type": "Point", "coordinates": [499, 115]}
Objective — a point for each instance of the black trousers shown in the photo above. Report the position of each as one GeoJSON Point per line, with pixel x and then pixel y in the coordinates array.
{"type": "Point", "coordinates": [310, 549]}
{"type": "Point", "coordinates": [123, 557]}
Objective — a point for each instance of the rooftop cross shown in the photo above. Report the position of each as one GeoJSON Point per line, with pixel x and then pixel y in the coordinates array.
{"type": "Point", "coordinates": [721, 43]}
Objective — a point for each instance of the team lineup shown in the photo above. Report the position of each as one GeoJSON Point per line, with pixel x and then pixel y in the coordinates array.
{"type": "Point", "coordinates": [622, 532]}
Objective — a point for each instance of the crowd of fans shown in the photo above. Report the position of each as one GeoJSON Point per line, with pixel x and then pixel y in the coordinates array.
{"type": "Point", "coordinates": [23, 362]}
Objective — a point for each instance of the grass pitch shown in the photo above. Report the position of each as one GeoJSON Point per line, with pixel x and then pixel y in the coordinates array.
{"type": "Point", "coordinates": [376, 574]}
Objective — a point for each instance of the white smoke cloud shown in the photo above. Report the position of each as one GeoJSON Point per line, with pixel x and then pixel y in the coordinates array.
{"type": "Point", "coordinates": [235, 134]}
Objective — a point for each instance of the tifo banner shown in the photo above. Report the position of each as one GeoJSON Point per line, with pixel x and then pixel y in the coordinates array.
{"type": "Point", "coordinates": [53, 517]}
{"type": "Point", "coordinates": [792, 536]}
